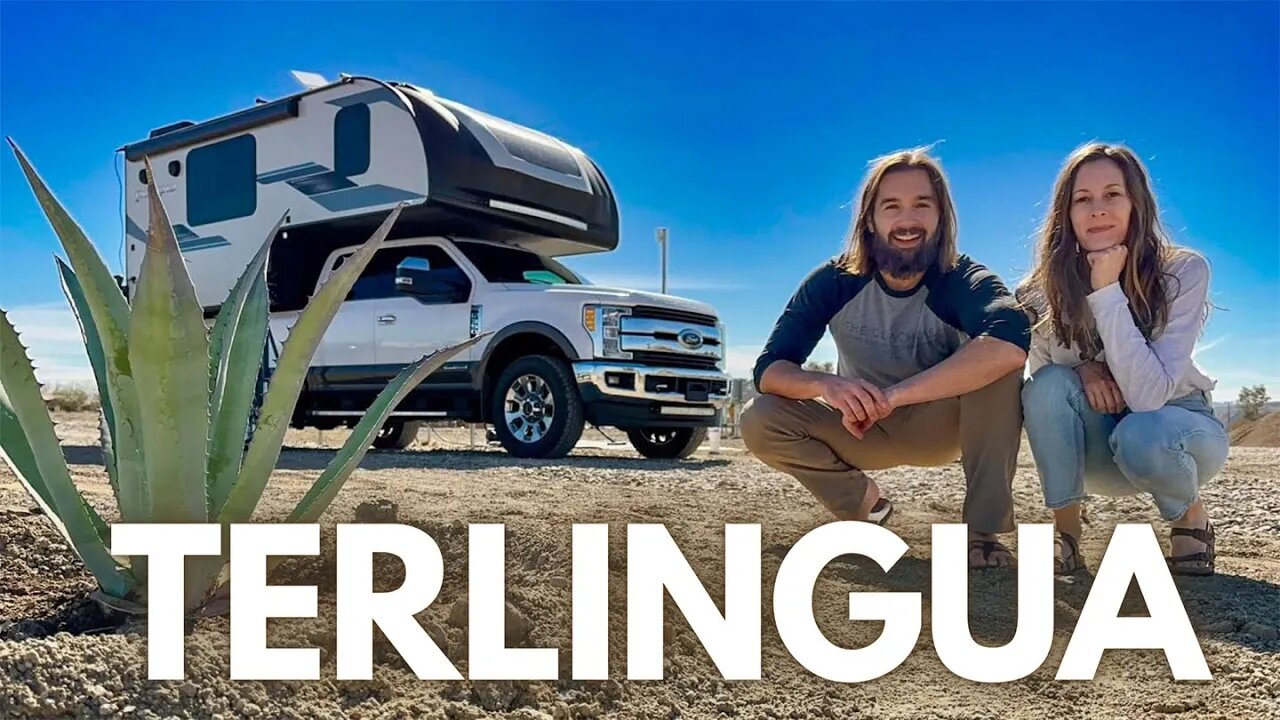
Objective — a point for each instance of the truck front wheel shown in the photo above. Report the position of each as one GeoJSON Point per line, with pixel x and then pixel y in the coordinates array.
{"type": "Point", "coordinates": [536, 410]}
{"type": "Point", "coordinates": [667, 443]}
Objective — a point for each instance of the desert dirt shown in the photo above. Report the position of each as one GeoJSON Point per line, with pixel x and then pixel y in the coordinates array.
{"type": "Point", "coordinates": [1263, 432]}
{"type": "Point", "coordinates": [59, 657]}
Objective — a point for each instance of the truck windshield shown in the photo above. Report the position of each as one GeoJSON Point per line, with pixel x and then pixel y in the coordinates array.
{"type": "Point", "coordinates": [501, 264]}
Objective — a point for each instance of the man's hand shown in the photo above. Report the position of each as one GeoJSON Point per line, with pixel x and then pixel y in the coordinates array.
{"type": "Point", "coordinates": [1105, 265]}
{"type": "Point", "coordinates": [861, 403]}
{"type": "Point", "coordinates": [1101, 388]}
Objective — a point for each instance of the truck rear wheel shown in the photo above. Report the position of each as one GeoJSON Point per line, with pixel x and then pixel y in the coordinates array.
{"type": "Point", "coordinates": [536, 410]}
{"type": "Point", "coordinates": [667, 443]}
{"type": "Point", "coordinates": [397, 434]}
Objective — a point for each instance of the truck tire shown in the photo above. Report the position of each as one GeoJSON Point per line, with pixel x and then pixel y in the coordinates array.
{"type": "Point", "coordinates": [397, 434]}
{"type": "Point", "coordinates": [667, 443]}
{"type": "Point", "coordinates": [535, 408]}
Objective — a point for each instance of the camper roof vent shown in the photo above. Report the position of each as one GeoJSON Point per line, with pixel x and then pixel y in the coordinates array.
{"type": "Point", "coordinates": [309, 80]}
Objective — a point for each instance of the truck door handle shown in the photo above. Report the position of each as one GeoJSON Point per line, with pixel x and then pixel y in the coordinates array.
{"type": "Point", "coordinates": [386, 319]}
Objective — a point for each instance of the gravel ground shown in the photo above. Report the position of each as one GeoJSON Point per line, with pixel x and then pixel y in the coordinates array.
{"type": "Point", "coordinates": [60, 658]}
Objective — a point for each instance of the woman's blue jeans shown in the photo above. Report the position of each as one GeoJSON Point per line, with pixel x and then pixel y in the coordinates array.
{"type": "Point", "coordinates": [1168, 453]}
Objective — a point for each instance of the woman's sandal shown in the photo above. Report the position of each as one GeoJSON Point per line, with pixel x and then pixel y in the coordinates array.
{"type": "Point", "coordinates": [1181, 564]}
{"type": "Point", "coordinates": [1068, 559]}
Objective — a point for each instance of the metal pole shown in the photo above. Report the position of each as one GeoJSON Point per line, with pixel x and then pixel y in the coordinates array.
{"type": "Point", "coordinates": [662, 241]}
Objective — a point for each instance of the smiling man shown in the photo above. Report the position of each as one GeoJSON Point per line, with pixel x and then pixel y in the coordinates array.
{"type": "Point", "coordinates": [931, 349]}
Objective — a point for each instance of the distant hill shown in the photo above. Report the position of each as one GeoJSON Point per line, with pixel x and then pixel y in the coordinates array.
{"type": "Point", "coordinates": [1263, 432]}
{"type": "Point", "coordinates": [1221, 409]}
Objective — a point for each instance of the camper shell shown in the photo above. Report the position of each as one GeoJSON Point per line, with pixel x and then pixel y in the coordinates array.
{"type": "Point", "coordinates": [333, 160]}
{"type": "Point", "coordinates": [487, 207]}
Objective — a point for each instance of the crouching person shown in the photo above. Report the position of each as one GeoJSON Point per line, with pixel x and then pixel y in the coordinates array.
{"type": "Point", "coordinates": [1115, 405]}
{"type": "Point", "coordinates": [931, 352]}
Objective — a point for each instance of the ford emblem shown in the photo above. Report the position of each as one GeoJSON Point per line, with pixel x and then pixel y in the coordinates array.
{"type": "Point", "coordinates": [691, 339]}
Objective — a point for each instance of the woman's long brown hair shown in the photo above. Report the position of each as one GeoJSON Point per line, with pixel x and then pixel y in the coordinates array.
{"type": "Point", "coordinates": [1060, 279]}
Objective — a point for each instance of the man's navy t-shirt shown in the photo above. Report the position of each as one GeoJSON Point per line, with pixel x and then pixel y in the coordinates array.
{"type": "Point", "coordinates": [885, 336]}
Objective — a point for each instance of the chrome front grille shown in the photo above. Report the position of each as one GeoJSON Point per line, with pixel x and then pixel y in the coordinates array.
{"type": "Point", "coordinates": [680, 316]}
{"type": "Point", "coordinates": [680, 342]}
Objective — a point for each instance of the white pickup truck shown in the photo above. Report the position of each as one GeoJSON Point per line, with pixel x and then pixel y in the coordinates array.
{"type": "Point", "coordinates": [490, 206]}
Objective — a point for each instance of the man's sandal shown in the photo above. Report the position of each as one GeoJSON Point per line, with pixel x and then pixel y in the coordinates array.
{"type": "Point", "coordinates": [1189, 564]}
{"type": "Point", "coordinates": [1068, 558]}
{"type": "Point", "coordinates": [988, 547]}
{"type": "Point", "coordinates": [880, 512]}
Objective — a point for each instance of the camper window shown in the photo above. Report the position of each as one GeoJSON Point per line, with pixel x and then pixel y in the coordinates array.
{"type": "Point", "coordinates": [501, 264]}
{"type": "Point", "coordinates": [351, 140]}
{"type": "Point", "coordinates": [222, 182]}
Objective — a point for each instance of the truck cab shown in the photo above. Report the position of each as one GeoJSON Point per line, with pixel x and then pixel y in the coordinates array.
{"type": "Point", "coordinates": [490, 206]}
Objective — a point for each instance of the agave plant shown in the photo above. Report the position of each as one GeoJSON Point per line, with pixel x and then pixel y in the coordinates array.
{"type": "Point", "coordinates": [176, 399]}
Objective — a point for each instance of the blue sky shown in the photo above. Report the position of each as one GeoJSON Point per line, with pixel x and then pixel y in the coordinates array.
{"type": "Point", "coordinates": [744, 128]}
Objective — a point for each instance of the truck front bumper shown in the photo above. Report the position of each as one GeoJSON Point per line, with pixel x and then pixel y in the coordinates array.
{"type": "Point", "coordinates": [626, 395]}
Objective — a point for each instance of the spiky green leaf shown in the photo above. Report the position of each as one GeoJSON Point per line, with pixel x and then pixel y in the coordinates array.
{"type": "Point", "coordinates": [50, 482]}
{"type": "Point", "coordinates": [326, 486]}
{"type": "Point", "coordinates": [169, 350]}
{"type": "Point", "coordinates": [235, 359]}
{"type": "Point", "coordinates": [22, 460]}
{"type": "Point", "coordinates": [287, 378]}
{"type": "Point", "coordinates": [98, 362]}
{"type": "Point", "coordinates": [109, 313]}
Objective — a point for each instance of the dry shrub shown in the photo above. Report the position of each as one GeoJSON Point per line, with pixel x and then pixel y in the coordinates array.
{"type": "Point", "coordinates": [70, 399]}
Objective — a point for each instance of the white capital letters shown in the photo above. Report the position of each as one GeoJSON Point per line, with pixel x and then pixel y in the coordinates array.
{"type": "Point", "coordinates": [590, 602]}
{"type": "Point", "coordinates": [1134, 552]}
{"type": "Point", "coordinates": [793, 604]}
{"type": "Point", "coordinates": [359, 607]}
{"type": "Point", "coordinates": [488, 656]}
{"type": "Point", "coordinates": [654, 563]}
{"type": "Point", "coordinates": [166, 547]}
{"type": "Point", "coordinates": [253, 601]}
{"type": "Point", "coordinates": [951, 637]}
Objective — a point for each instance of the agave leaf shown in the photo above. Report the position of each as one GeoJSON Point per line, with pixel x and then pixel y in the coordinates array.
{"type": "Point", "coordinates": [35, 445]}
{"type": "Point", "coordinates": [330, 482]}
{"type": "Point", "coordinates": [22, 460]}
{"type": "Point", "coordinates": [169, 347]}
{"type": "Point", "coordinates": [109, 313]}
{"type": "Point", "coordinates": [326, 486]}
{"type": "Point", "coordinates": [288, 376]}
{"type": "Point", "coordinates": [236, 345]}
{"type": "Point", "coordinates": [97, 361]}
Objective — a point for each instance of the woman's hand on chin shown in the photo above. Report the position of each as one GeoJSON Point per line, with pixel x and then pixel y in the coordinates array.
{"type": "Point", "coordinates": [1106, 265]}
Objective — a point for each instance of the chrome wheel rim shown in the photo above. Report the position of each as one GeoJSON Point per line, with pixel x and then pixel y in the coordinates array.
{"type": "Point", "coordinates": [660, 437]}
{"type": "Point", "coordinates": [529, 408]}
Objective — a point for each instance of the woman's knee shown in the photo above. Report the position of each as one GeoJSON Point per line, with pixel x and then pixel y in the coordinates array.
{"type": "Point", "coordinates": [1160, 446]}
{"type": "Point", "coordinates": [1050, 390]}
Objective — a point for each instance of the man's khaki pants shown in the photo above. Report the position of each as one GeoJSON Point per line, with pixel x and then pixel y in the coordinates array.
{"type": "Point", "coordinates": [807, 440]}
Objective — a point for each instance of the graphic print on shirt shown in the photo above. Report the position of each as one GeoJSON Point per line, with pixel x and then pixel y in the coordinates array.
{"type": "Point", "coordinates": [887, 339]}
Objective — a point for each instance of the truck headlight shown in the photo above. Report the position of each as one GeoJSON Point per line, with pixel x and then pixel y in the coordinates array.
{"type": "Point", "coordinates": [604, 323]}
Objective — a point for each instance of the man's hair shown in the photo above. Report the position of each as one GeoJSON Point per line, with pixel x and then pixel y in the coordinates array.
{"type": "Point", "coordinates": [1060, 280]}
{"type": "Point", "coordinates": [858, 256]}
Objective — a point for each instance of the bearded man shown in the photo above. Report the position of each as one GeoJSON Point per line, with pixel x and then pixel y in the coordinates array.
{"type": "Point", "coordinates": [931, 350]}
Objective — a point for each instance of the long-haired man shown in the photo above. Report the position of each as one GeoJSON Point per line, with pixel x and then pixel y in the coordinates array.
{"type": "Point", "coordinates": [931, 350]}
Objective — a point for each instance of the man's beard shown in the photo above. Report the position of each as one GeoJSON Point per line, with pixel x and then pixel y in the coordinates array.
{"type": "Point", "coordinates": [902, 263]}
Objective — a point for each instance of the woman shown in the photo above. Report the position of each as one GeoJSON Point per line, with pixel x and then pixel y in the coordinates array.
{"type": "Point", "coordinates": [1115, 405]}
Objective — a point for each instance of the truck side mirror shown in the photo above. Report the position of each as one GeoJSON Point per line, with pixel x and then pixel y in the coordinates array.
{"type": "Point", "coordinates": [411, 273]}
{"type": "Point", "coordinates": [414, 276]}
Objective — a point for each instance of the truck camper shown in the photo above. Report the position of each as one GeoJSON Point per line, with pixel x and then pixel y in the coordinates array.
{"type": "Point", "coordinates": [489, 207]}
